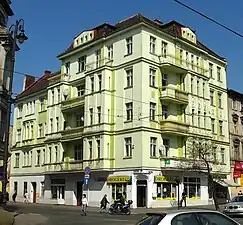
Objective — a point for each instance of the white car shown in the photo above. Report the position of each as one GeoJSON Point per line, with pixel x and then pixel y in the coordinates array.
{"type": "Point", "coordinates": [189, 217]}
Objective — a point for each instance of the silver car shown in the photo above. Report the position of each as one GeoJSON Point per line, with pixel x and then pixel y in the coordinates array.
{"type": "Point", "coordinates": [187, 217]}
{"type": "Point", "coordinates": [234, 207]}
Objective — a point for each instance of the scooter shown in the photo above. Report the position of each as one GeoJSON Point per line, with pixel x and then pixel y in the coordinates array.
{"type": "Point", "coordinates": [116, 208]}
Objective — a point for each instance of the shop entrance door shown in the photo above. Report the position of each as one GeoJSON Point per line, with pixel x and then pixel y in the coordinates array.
{"type": "Point", "coordinates": [34, 192]}
{"type": "Point", "coordinates": [141, 193]}
{"type": "Point", "coordinates": [79, 192]}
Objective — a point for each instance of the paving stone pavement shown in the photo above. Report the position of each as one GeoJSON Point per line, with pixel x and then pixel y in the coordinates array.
{"type": "Point", "coordinates": [30, 219]}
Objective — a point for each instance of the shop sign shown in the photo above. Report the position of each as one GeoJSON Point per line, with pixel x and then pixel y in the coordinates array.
{"type": "Point", "coordinates": [236, 174]}
{"type": "Point", "coordinates": [238, 166]}
{"type": "Point", "coordinates": [118, 179]}
{"type": "Point", "coordinates": [164, 179]}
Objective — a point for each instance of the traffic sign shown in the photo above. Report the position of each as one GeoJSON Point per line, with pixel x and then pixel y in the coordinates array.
{"type": "Point", "coordinates": [87, 170]}
{"type": "Point", "coordinates": [86, 176]}
{"type": "Point", "coordinates": [86, 181]}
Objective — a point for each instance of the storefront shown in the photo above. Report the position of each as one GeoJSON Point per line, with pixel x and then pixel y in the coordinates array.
{"type": "Point", "coordinates": [237, 175]}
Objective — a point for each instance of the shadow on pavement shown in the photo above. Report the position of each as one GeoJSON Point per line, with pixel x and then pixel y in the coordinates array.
{"type": "Point", "coordinates": [10, 208]}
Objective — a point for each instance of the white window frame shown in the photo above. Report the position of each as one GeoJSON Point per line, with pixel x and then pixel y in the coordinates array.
{"type": "Point", "coordinates": [129, 77]}
{"type": "Point", "coordinates": [152, 77]}
{"type": "Point", "coordinates": [110, 52]}
{"type": "Point", "coordinates": [129, 45]}
{"type": "Point", "coordinates": [153, 146]}
{"type": "Point", "coordinates": [128, 147]}
{"type": "Point", "coordinates": [152, 111]}
{"type": "Point", "coordinates": [152, 45]}
{"type": "Point", "coordinates": [129, 111]}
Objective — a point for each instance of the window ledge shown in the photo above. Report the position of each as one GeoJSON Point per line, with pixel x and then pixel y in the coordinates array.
{"type": "Point", "coordinates": [125, 88]}
{"type": "Point", "coordinates": [31, 114]}
{"type": "Point", "coordinates": [81, 71]}
{"type": "Point", "coordinates": [154, 54]}
{"type": "Point", "coordinates": [37, 165]}
{"type": "Point", "coordinates": [42, 111]}
{"type": "Point", "coordinates": [16, 167]}
{"type": "Point", "coordinates": [128, 54]}
{"type": "Point", "coordinates": [128, 121]}
{"type": "Point", "coordinates": [26, 166]}
{"type": "Point", "coordinates": [127, 157]}
{"type": "Point", "coordinates": [41, 137]}
{"type": "Point", "coordinates": [153, 121]}
{"type": "Point", "coordinates": [154, 157]}
{"type": "Point", "coordinates": [151, 86]}
{"type": "Point", "coordinates": [19, 117]}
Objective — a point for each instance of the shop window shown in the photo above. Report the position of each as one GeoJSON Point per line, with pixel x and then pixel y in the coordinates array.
{"type": "Point", "coordinates": [58, 188]}
{"type": "Point", "coordinates": [166, 190]}
{"type": "Point", "coordinates": [118, 189]}
{"type": "Point", "coordinates": [192, 187]}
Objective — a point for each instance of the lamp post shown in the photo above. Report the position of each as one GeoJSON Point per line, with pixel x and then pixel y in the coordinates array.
{"type": "Point", "coordinates": [177, 180]}
{"type": "Point", "coordinates": [16, 35]}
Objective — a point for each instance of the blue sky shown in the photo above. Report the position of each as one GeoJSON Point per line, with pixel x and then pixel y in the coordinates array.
{"type": "Point", "coordinates": [51, 26]}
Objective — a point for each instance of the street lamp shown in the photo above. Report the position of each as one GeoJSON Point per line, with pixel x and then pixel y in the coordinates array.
{"type": "Point", "coordinates": [15, 35]}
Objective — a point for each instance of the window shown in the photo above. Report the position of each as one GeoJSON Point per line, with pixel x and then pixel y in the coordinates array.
{"type": "Point", "coordinates": [197, 64]}
{"type": "Point", "coordinates": [152, 111]}
{"type": "Point", "coordinates": [117, 189]}
{"type": "Point", "coordinates": [38, 157]}
{"type": "Point", "coordinates": [67, 66]}
{"type": "Point", "coordinates": [213, 126]}
{"type": "Point", "coordinates": [222, 153]}
{"type": "Point", "coordinates": [192, 187]}
{"type": "Point", "coordinates": [199, 119]}
{"type": "Point", "coordinates": [58, 95]}
{"type": "Point", "coordinates": [220, 99]}
{"type": "Point", "coordinates": [205, 120]}
{"type": "Point", "coordinates": [90, 150]}
{"type": "Point", "coordinates": [213, 218]}
{"type": "Point", "coordinates": [17, 155]}
{"type": "Point", "coordinates": [164, 49]}
{"type": "Point", "coordinates": [187, 59]}
{"type": "Point", "coordinates": [236, 152]}
{"type": "Point", "coordinates": [128, 147]}
{"type": "Point", "coordinates": [181, 56]}
{"type": "Point", "coordinates": [99, 82]}
{"type": "Point", "coordinates": [129, 111]}
{"type": "Point", "coordinates": [164, 81]}
{"type": "Point", "coordinates": [192, 62]}
{"type": "Point", "coordinates": [57, 123]}
{"type": "Point", "coordinates": [42, 104]}
{"type": "Point", "coordinates": [18, 135]}
{"type": "Point", "coordinates": [234, 104]}
{"type": "Point", "coordinates": [184, 218]}
{"type": "Point", "coordinates": [79, 120]}
{"type": "Point", "coordinates": [58, 188]}
{"type": "Point", "coordinates": [52, 97]}
{"type": "Point", "coordinates": [50, 154]}
{"type": "Point", "coordinates": [110, 52]}
{"type": "Point", "coordinates": [129, 46]}
{"type": "Point", "coordinates": [41, 130]}
{"type": "Point", "coordinates": [193, 117]}
{"type": "Point", "coordinates": [152, 75]}
{"type": "Point", "coordinates": [91, 116]}
{"type": "Point", "coordinates": [98, 58]}
{"type": "Point", "coordinates": [166, 190]}
{"type": "Point", "coordinates": [31, 157]}
{"type": "Point", "coordinates": [99, 114]}
{"type": "Point", "coordinates": [82, 64]}
{"type": "Point", "coordinates": [92, 84]}
{"type": "Point", "coordinates": [203, 89]}
{"type": "Point", "coordinates": [16, 186]}
{"type": "Point", "coordinates": [81, 90]}
{"type": "Point", "coordinates": [56, 154]}
{"type": "Point", "coordinates": [153, 143]}
{"type": "Point", "coordinates": [152, 46]}
{"type": "Point", "coordinates": [210, 70]}
{"type": "Point", "coordinates": [192, 89]}
{"type": "Point", "coordinates": [214, 154]}
{"type": "Point", "coordinates": [44, 157]}
{"type": "Point", "coordinates": [31, 131]}
{"type": "Point", "coordinates": [218, 73]}
{"type": "Point", "coordinates": [220, 127]}
{"type": "Point", "coordinates": [198, 88]}
{"type": "Point", "coordinates": [51, 125]}
{"type": "Point", "coordinates": [129, 73]}
{"type": "Point", "coordinates": [20, 111]}
{"type": "Point", "coordinates": [25, 188]}
{"type": "Point", "coordinates": [212, 97]}
{"type": "Point", "coordinates": [164, 112]}
{"type": "Point", "coordinates": [166, 143]}
{"type": "Point", "coordinates": [78, 152]}
{"type": "Point", "coordinates": [98, 148]}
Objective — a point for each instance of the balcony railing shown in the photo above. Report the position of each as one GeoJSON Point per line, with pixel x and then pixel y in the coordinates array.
{"type": "Point", "coordinates": [64, 166]}
{"type": "Point", "coordinates": [174, 127]}
{"type": "Point", "coordinates": [98, 64]}
{"type": "Point", "coordinates": [181, 65]}
{"type": "Point", "coordinates": [174, 95]}
{"type": "Point", "coordinates": [70, 134]}
{"type": "Point", "coordinates": [73, 103]}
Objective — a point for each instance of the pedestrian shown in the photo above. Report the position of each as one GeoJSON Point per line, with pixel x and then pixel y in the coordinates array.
{"type": "Point", "coordinates": [240, 193]}
{"type": "Point", "coordinates": [103, 203]}
{"type": "Point", "coordinates": [26, 198]}
{"type": "Point", "coordinates": [183, 198]}
{"type": "Point", "coordinates": [84, 204]}
{"type": "Point", "coordinates": [14, 196]}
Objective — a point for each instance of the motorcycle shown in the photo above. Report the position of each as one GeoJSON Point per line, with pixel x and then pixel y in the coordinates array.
{"type": "Point", "coordinates": [118, 208]}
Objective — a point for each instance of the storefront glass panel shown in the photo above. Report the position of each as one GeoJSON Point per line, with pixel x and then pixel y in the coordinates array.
{"type": "Point", "coordinates": [192, 187]}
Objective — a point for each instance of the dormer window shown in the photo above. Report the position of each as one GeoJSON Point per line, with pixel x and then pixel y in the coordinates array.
{"type": "Point", "coordinates": [86, 38]}
{"type": "Point", "coordinates": [82, 40]}
{"type": "Point", "coordinates": [235, 118]}
{"type": "Point", "coordinates": [77, 41]}
{"type": "Point", "coordinates": [91, 36]}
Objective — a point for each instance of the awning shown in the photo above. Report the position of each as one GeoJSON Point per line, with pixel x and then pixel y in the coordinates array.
{"type": "Point", "coordinates": [227, 183]}
{"type": "Point", "coordinates": [238, 166]}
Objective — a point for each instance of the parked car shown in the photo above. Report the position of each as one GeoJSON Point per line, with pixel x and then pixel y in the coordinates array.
{"type": "Point", "coordinates": [234, 207]}
{"type": "Point", "coordinates": [193, 217]}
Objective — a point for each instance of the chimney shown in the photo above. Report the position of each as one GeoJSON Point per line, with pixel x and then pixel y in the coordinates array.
{"type": "Point", "coordinates": [28, 80]}
{"type": "Point", "coordinates": [159, 22]}
{"type": "Point", "coordinates": [47, 72]}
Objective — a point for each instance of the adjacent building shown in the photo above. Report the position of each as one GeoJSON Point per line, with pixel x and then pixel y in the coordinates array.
{"type": "Point", "coordinates": [124, 103]}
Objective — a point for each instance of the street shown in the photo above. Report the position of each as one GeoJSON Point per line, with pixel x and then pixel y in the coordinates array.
{"type": "Point", "coordinates": [65, 215]}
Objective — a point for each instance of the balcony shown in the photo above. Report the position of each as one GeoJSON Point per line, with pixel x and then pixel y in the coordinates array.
{"type": "Point", "coordinates": [174, 127]}
{"type": "Point", "coordinates": [72, 104]}
{"type": "Point", "coordinates": [72, 134]}
{"type": "Point", "coordinates": [98, 64]}
{"type": "Point", "coordinates": [64, 167]}
{"type": "Point", "coordinates": [173, 95]}
{"type": "Point", "coordinates": [180, 66]}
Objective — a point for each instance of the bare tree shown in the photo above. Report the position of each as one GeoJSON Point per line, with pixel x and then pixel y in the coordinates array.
{"type": "Point", "coordinates": [202, 154]}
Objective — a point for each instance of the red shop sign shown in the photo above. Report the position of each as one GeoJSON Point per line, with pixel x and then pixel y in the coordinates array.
{"type": "Point", "coordinates": [236, 174]}
{"type": "Point", "coordinates": [238, 166]}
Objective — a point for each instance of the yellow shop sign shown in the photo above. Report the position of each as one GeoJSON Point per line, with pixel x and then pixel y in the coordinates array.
{"type": "Point", "coordinates": [164, 179]}
{"type": "Point", "coordinates": [118, 179]}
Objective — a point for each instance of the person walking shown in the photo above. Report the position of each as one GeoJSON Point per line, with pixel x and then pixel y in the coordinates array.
{"type": "Point", "coordinates": [103, 203]}
{"type": "Point", "coordinates": [240, 192]}
{"type": "Point", "coordinates": [26, 198]}
{"type": "Point", "coordinates": [84, 204]}
{"type": "Point", "coordinates": [183, 198]}
{"type": "Point", "coordinates": [14, 196]}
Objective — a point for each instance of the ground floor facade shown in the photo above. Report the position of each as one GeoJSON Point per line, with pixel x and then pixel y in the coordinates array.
{"type": "Point", "coordinates": [147, 188]}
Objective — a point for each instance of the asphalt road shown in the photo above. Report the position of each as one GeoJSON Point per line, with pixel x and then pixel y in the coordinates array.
{"type": "Point", "coordinates": [61, 215]}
